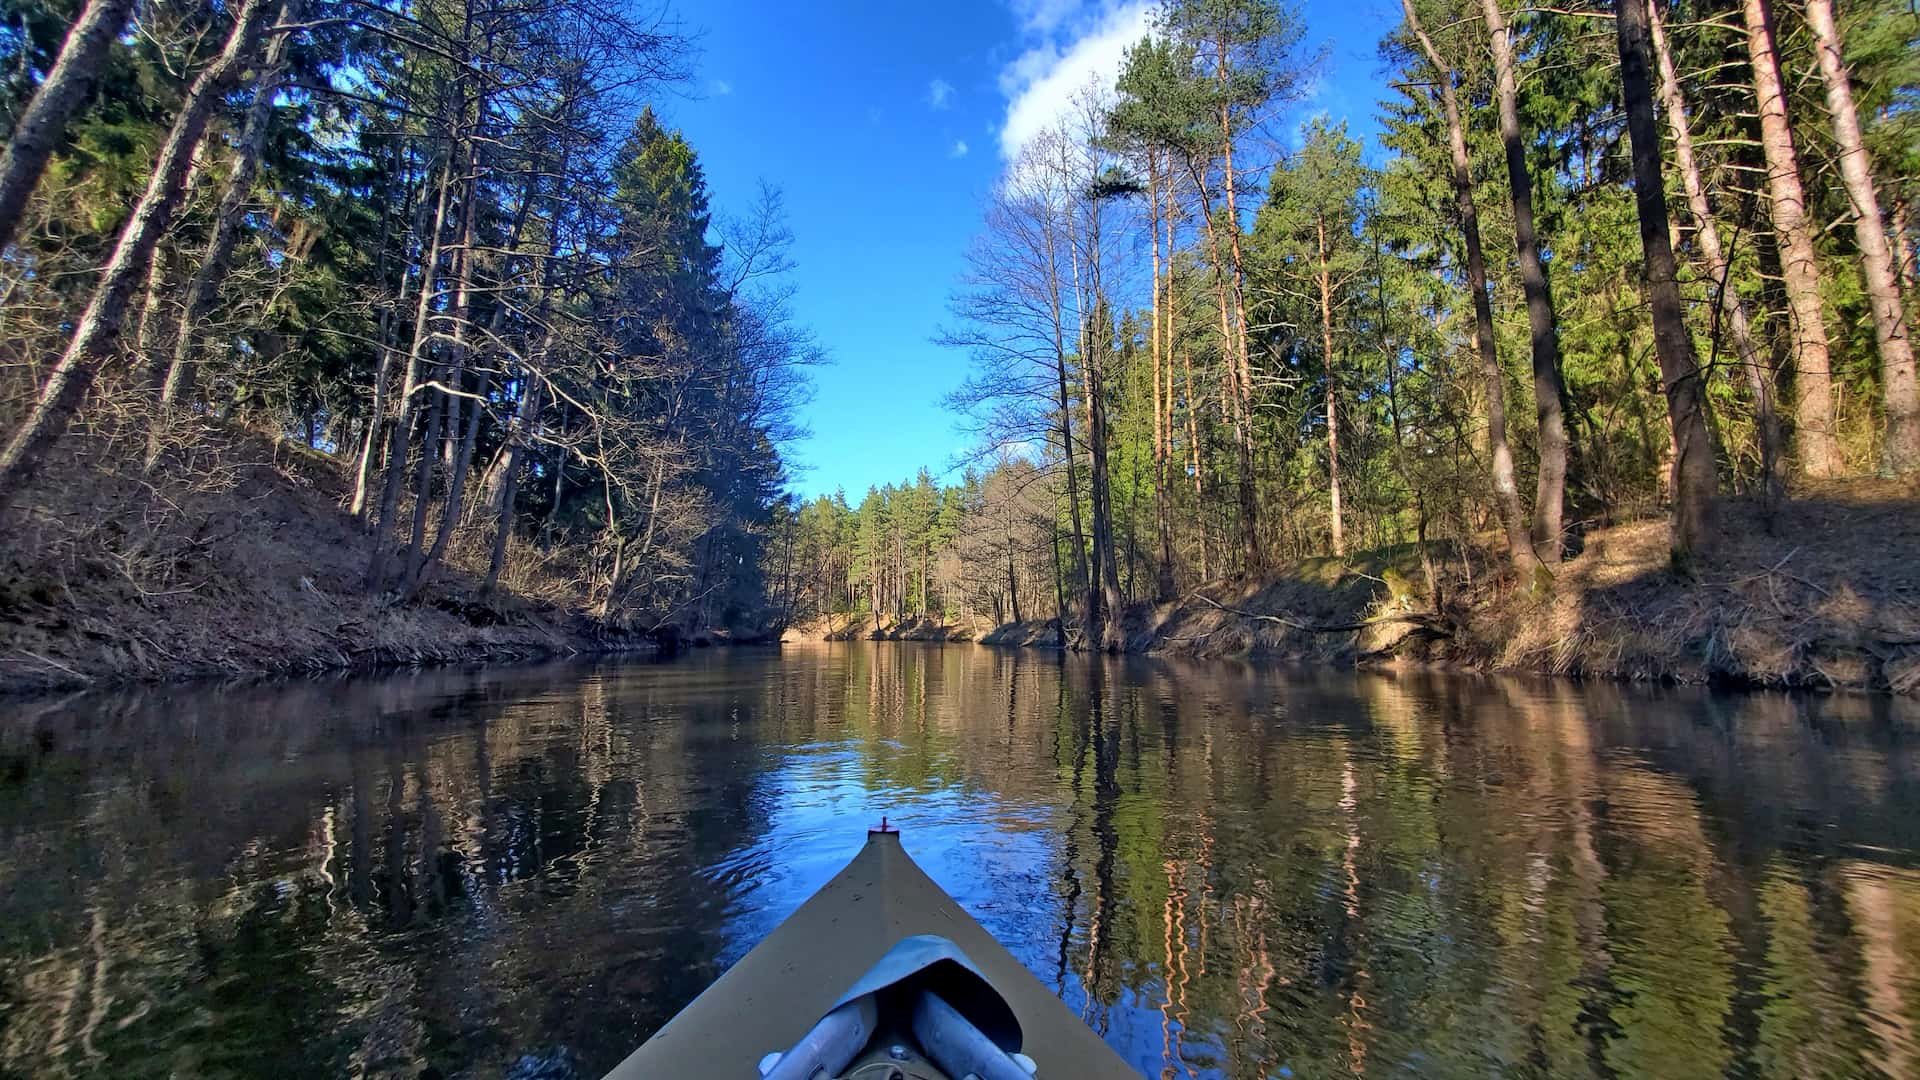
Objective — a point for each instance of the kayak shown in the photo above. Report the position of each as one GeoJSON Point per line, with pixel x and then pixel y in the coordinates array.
{"type": "Point", "coordinates": [878, 976]}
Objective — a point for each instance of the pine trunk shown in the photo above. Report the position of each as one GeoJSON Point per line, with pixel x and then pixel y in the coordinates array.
{"type": "Point", "coordinates": [1243, 369]}
{"type": "Point", "coordinates": [1064, 402]}
{"type": "Point", "coordinates": [407, 408]}
{"type": "Point", "coordinates": [1548, 389]}
{"type": "Point", "coordinates": [97, 331]}
{"type": "Point", "coordinates": [1693, 474]}
{"type": "Point", "coordinates": [1898, 389]}
{"type": "Point", "coordinates": [1235, 410]}
{"type": "Point", "coordinates": [214, 259]}
{"type": "Point", "coordinates": [501, 497]}
{"type": "Point", "coordinates": [1160, 185]}
{"type": "Point", "coordinates": [39, 127]}
{"type": "Point", "coordinates": [1714, 261]}
{"type": "Point", "coordinates": [1325, 281]}
{"type": "Point", "coordinates": [1506, 491]}
{"type": "Point", "coordinates": [1819, 448]}
{"type": "Point", "coordinates": [204, 289]}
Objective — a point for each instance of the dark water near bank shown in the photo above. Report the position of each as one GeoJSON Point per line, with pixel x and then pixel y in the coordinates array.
{"type": "Point", "coordinates": [1227, 872]}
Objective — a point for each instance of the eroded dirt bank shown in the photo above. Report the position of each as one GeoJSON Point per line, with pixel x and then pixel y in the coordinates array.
{"type": "Point", "coordinates": [243, 562]}
{"type": "Point", "coordinates": [1828, 597]}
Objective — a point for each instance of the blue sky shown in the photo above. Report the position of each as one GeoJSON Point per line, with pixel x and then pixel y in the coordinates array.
{"type": "Point", "coordinates": [885, 125]}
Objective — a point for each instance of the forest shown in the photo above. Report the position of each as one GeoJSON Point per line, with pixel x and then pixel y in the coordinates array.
{"type": "Point", "coordinates": [1612, 262]}
{"type": "Point", "coordinates": [1608, 263]}
{"type": "Point", "coordinates": [450, 246]}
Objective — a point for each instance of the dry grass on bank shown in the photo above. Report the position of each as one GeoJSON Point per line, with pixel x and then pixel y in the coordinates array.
{"type": "Point", "coordinates": [236, 557]}
{"type": "Point", "coordinates": [1827, 597]}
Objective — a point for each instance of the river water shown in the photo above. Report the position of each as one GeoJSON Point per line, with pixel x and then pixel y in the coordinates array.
{"type": "Point", "coordinates": [1228, 871]}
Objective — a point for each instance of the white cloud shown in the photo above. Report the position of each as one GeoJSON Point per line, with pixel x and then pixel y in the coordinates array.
{"type": "Point", "coordinates": [939, 93]}
{"type": "Point", "coordinates": [1042, 16]}
{"type": "Point", "coordinates": [959, 149]}
{"type": "Point", "coordinates": [721, 88]}
{"type": "Point", "coordinates": [1070, 44]}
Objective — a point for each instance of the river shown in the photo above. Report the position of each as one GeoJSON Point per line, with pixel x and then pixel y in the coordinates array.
{"type": "Point", "coordinates": [1228, 871]}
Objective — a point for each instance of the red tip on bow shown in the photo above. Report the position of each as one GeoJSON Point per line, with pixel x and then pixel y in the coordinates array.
{"type": "Point", "coordinates": [884, 827]}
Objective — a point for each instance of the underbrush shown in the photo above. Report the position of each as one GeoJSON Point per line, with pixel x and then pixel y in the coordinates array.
{"type": "Point", "coordinates": [1826, 595]}
{"type": "Point", "coordinates": [235, 555]}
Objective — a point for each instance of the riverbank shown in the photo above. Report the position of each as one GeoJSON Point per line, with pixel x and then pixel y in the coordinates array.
{"type": "Point", "coordinates": [859, 626]}
{"type": "Point", "coordinates": [1827, 598]}
{"type": "Point", "coordinates": [251, 568]}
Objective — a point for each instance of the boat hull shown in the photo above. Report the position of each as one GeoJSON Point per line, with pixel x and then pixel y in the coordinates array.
{"type": "Point", "coordinates": [775, 994]}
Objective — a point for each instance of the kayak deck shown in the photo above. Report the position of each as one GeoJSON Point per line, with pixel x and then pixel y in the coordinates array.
{"type": "Point", "coordinates": [775, 994]}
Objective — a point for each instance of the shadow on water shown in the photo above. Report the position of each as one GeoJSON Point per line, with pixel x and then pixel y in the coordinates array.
{"type": "Point", "coordinates": [1227, 872]}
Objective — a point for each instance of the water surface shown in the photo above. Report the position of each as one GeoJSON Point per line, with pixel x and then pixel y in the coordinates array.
{"type": "Point", "coordinates": [1229, 872]}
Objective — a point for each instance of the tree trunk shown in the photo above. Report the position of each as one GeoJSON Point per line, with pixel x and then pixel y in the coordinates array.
{"type": "Point", "coordinates": [1898, 388]}
{"type": "Point", "coordinates": [97, 331]}
{"type": "Point", "coordinates": [445, 416]}
{"type": "Point", "coordinates": [204, 289]}
{"type": "Point", "coordinates": [1160, 185]}
{"type": "Point", "coordinates": [1235, 401]}
{"type": "Point", "coordinates": [1013, 580]}
{"type": "Point", "coordinates": [1199, 462]}
{"type": "Point", "coordinates": [452, 511]}
{"type": "Point", "coordinates": [39, 127]}
{"type": "Point", "coordinates": [1693, 474]}
{"type": "Point", "coordinates": [1065, 403]}
{"type": "Point", "coordinates": [1819, 449]}
{"type": "Point", "coordinates": [1718, 271]}
{"type": "Point", "coordinates": [1105, 564]}
{"type": "Point", "coordinates": [407, 408]}
{"type": "Point", "coordinates": [214, 260]}
{"type": "Point", "coordinates": [1325, 280]}
{"type": "Point", "coordinates": [378, 413]}
{"type": "Point", "coordinates": [1506, 490]}
{"type": "Point", "coordinates": [1243, 372]}
{"type": "Point", "coordinates": [146, 334]}
{"type": "Point", "coordinates": [502, 497]}
{"type": "Point", "coordinates": [1548, 387]}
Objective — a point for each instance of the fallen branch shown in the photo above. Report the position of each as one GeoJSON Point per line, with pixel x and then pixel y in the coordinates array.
{"type": "Point", "coordinates": [1425, 620]}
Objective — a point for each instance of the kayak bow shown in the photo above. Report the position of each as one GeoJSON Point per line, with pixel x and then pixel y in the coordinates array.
{"type": "Point", "coordinates": [878, 974]}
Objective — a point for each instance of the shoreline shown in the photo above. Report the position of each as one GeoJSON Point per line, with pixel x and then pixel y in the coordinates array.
{"type": "Point", "coordinates": [523, 645]}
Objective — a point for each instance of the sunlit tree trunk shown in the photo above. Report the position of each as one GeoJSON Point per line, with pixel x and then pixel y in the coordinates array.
{"type": "Point", "coordinates": [38, 128]}
{"type": "Point", "coordinates": [1819, 449]}
{"type": "Point", "coordinates": [1235, 410]}
{"type": "Point", "coordinates": [1064, 403]}
{"type": "Point", "coordinates": [1159, 185]}
{"type": "Point", "coordinates": [96, 331]}
{"type": "Point", "coordinates": [1324, 278]}
{"type": "Point", "coordinates": [204, 289]}
{"type": "Point", "coordinates": [1714, 260]}
{"type": "Point", "coordinates": [1898, 388]}
{"type": "Point", "coordinates": [1170, 322]}
{"type": "Point", "coordinates": [1240, 356]}
{"type": "Point", "coordinates": [452, 511]}
{"type": "Point", "coordinates": [1694, 477]}
{"type": "Point", "coordinates": [1548, 390]}
{"type": "Point", "coordinates": [1506, 491]}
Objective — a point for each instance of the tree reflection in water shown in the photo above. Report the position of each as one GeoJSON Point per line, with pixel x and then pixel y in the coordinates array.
{"type": "Point", "coordinates": [1227, 872]}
